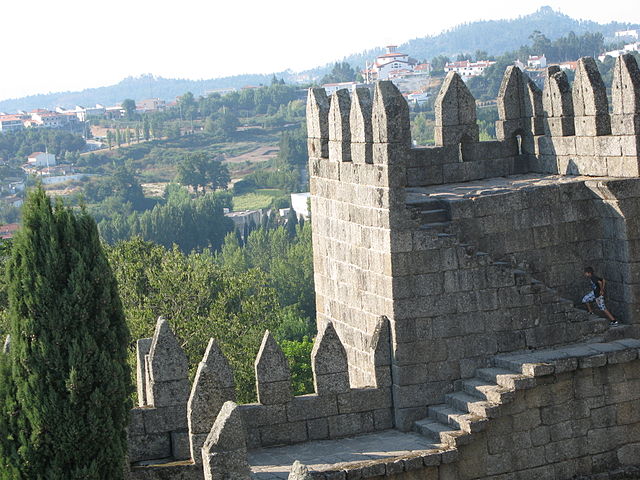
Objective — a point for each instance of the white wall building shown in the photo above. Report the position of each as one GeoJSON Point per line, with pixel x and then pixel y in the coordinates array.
{"type": "Point", "coordinates": [628, 34]}
{"type": "Point", "coordinates": [334, 87]}
{"type": "Point", "coordinates": [11, 123]}
{"type": "Point", "coordinates": [389, 64]}
{"type": "Point", "coordinates": [467, 69]}
{"type": "Point", "coordinates": [537, 61]}
{"type": "Point", "coordinates": [41, 159]}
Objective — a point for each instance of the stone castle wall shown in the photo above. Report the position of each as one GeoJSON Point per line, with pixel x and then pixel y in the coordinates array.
{"type": "Point", "coordinates": [551, 232]}
{"type": "Point", "coordinates": [433, 312]}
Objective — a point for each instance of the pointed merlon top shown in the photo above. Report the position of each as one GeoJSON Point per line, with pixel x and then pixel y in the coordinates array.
{"type": "Point", "coordinates": [328, 354]}
{"type": "Point", "coordinates": [167, 360]}
{"type": "Point", "coordinates": [317, 113]}
{"type": "Point", "coordinates": [271, 364]}
{"type": "Point", "coordinates": [511, 95]}
{"type": "Point", "coordinates": [390, 115]}
{"type": "Point", "coordinates": [228, 431]}
{"type": "Point", "coordinates": [360, 116]}
{"type": "Point", "coordinates": [215, 367]}
{"type": "Point", "coordinates": [625, 88]}
{"type": "Point", "coordinates": [454, 104]}
{"type": "Point", "coordinates": [589, 92]}
{"type": "Point", "coordinates": [339, 107]}
{"type": "Point", "coordinates": [557, 99]}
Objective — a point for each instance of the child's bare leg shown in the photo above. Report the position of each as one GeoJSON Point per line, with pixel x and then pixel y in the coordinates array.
{"type": "Point", "coordinates": [609, 316]}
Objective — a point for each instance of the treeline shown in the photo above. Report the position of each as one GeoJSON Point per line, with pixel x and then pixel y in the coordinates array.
{"type": "Point", "coordinates": [190, 223]}
{"type": "Point", "coordinates": [233, 296]}
{"type": "Point", "coordinates": [16, 146]}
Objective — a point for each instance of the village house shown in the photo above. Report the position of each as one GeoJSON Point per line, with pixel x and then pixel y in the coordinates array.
{"type": "Point", "coordinates": [41, 159]}
{"type": "Point", "coordinates": [467, 69]}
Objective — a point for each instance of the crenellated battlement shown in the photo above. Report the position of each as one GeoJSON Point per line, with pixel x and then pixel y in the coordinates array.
{"type": "Point", "coordinates": [175, 424]}
{"type": "Point", "coordinates": [563, 129]}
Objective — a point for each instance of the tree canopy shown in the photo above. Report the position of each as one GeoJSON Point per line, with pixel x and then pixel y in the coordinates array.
{"type": "Point", "coordinates": [65, 383]}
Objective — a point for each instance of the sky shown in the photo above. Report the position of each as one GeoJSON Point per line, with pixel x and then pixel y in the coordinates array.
{"type": "Point", "coordinates": [69, 45]}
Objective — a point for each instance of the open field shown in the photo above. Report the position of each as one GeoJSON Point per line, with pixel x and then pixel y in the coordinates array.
{"type": "Point", "coordinates": [261, 198]}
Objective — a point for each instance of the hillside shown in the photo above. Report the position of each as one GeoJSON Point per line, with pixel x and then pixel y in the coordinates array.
{"type": "Point", "coordinates": [496, 36]}
{"type": "Point", "coordinates": [492, 36]}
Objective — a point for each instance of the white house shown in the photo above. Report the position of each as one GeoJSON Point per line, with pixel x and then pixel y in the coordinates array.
{"type": "Point", "coordinates": [334, 87]}
{"type": "Point", "coordinates": [41, 159]}
{"type": "Point", "coordinates": [390, 63]}
{"type": "Point", "coordinates": [11, 123]}
{"type": "Point", "coordinates": [537, 61]}
{"type": "Point", "coordinates": [467, 69]}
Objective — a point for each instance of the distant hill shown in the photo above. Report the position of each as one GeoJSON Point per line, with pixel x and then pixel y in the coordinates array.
{"type": "Point", "coordinates": [138, 88]}
{"type": "Point", "coordinates": [492, 36]}
{"type": "Point", "coordinates": [496, 36]}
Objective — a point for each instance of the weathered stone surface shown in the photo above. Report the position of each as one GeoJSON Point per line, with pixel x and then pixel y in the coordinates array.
{"type": "Point", "coordinates": [273, 378]}
{"type": "Point", "coordinates": [455, 110]}
{"type": "Point", "coordinates": [224, 453]}
{"type": "Point", "coordinates": [143, 346]}
{"type": "Point", "coordinates": [625, 88]}
{"type": "Point", "coordinates": [212, 387]}
{"type": "Point", "coordinates": [167, 360]}
{"type": "Point", "coordinates": [299, 472]}
{"type": "Point", "coordinates": [390, 115]}
{"type": "Point", "coordinates": [557, 103]}
{"type": "Point", "coordinates": [329, 362]}
{"type": "Point", "coordinates": [361, 127]}
{"type": "Point", "coordinates": [166, 394]}
{"type": "Point", "coordinates": [318, 122]}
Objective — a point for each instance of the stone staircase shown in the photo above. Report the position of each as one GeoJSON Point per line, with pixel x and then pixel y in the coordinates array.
{"type": "Point", "coordinates": [471, 408]}
{"type": "Point", "coordinates": [432, 214]}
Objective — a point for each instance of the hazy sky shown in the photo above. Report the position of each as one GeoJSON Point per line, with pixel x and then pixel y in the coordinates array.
{"type": "Point", "coordinates": [51, 46]}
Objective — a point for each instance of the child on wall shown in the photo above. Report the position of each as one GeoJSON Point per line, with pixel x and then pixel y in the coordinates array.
{"type": "Point", "coordinates": [597, 295]}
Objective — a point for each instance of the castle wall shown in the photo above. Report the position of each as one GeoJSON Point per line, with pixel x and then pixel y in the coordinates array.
{"type": "Point", "coordinates": [574, 423]}
{"type": "Point", "coordinates": [351, 201]}
{"type": "Point", "coordinates": [554, 231]}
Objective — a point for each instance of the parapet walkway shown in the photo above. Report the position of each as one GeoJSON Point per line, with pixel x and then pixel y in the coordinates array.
{"type": "Point", "coordinates": [466, 413]}
{"type": "Point", "coordinates": [491, 186]}
{"type": "Point", "coordinates": [391, 445]}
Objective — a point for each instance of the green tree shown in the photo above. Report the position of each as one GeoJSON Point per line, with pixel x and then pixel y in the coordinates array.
{"type": "Point", "coordinates": [341, 72]}
{"type": "Point", "coordinates": [66, 381]}
{"type": "Point", "coordinates": [129, 107]}
{"type": "Point", "coordinates": [146, 129]}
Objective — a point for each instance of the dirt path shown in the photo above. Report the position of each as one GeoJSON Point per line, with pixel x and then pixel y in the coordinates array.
{"type": "Point", "coordinates": [260, 154]}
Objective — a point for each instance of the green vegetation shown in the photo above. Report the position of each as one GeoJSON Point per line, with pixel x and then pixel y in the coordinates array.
{"type": "Point", "coordinates": [16, 146]}
{"type": "Point", "coordinates": [263, 283]}
{"type": "Point", "coordinates": [65, 384]}
{"type": "Point", "coordinates": [190, 223]}
{"type": "Point", "coordinates": [259, 198]}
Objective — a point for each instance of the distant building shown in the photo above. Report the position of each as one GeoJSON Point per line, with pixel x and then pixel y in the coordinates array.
{"type": "Point", "coordinates": [11, 123]}
{"type": "Point", "coordinates": [389, 64]}
{"type": "Point", "coordinates": [84, 113]}
{"type": "Point", "coordinates": [299, 202]}
{"type": "Point", "coordinates": [467, 69]}
{"type": "Point", "coordinates": [537, 61]}
{"type": "Point", "coordinates": [151, 105]}
{"type": "Point", "coordinates": [248, 217]}
{"type": "Point", "coordinates": [334, 87]}
{"type": "Point", "coordinates": [41, 159]}
{"type": "Point", "coordinates": [628, 34]}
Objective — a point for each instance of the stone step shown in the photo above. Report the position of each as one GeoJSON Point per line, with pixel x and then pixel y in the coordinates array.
{"type": "Point", "coordinates": [435, 215]}
{"type": "Point", "coordinates": [441, 227]}
{"type": "Point", "coordinates": [458, 419]}
{"type": "Point", "coordinates": [506, 378]}
{"type": "Point", "coordinates": [466, 402]}
{"type": "Point", "coordinates": [441, 433]}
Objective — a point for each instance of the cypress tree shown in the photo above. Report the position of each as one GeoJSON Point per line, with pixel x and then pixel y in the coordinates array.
{"type": "Point", "coordinates": [65, 381]}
